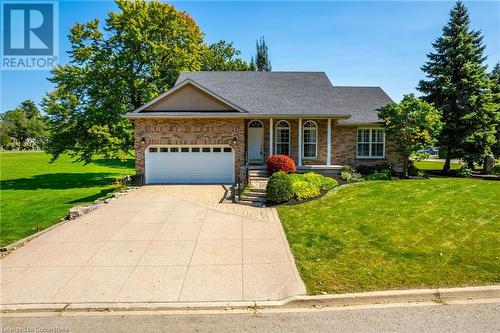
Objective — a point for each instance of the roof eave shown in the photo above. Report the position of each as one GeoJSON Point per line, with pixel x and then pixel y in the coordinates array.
{"type": "Point", "coordinates": [151, 115]}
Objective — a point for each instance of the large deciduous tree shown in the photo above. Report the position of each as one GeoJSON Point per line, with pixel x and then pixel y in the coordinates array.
{"type": "Point", "coordinates": [413, 123]}
{"type": "Point", "coordinates": [458, 85]}
{"type": "Point", "coordinates": [22, 124]}
{"type": "Point", "coordinates": [115, 68]}
{"type": "Point", "coordinates": [222, 56]}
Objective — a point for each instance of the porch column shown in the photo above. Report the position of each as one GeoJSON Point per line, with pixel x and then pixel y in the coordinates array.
{"type": "Point", "coordinates": [270, 136]}
{"type": "Point", "coordinates": [299, 159]}
{"type": "Point", "coordinates": [329, 143]}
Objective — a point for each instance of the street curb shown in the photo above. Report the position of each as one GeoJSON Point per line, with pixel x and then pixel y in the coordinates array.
{"type": "Point", "coordinates": [440, 296]}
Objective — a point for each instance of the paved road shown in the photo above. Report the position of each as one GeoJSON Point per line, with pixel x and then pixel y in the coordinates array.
{"type": "Point", "coordinates": [423, 318]}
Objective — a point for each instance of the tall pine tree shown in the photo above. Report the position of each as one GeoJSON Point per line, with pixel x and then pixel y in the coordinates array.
{"type": "Point", "coordinates": [262, 61]}
{"type": "Point", "coordinates": [458, 85]}
{"type": "Point", "coordinates": [495, 88]}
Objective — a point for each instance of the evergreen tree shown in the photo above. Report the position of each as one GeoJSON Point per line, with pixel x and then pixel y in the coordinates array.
{"type": "Point", "coordinates": [495, 88]}
{"type": "Point", "coordinates": [262, 61]}
{"type": "Point", "coordinates": [458, 85]}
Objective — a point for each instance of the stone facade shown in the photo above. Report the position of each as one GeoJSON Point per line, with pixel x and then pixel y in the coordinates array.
{"type": "Point", "coordinates": [188, 132]}
{"type": "Point", "coordinates": [224, 131]}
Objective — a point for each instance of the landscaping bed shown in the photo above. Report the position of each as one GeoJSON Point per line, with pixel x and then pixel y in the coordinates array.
{"type": "Point", "coordinates": [425, 233]}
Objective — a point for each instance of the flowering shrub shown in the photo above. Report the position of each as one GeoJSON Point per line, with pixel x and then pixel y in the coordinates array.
{"type": "Point", "coordinates": [283, 163]}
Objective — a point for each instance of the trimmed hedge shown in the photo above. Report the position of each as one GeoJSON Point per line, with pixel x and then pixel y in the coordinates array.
{"type": "Point", "coordinates": [283, 163]}
{"type": "Point", "coordinates": [304, 190]}
{"type": "Point", "coordinates": [382, 175]}
{"type": "Point", "coordinates": [279, 188]}
{"type": "Point", "coordinates": [303, 186]}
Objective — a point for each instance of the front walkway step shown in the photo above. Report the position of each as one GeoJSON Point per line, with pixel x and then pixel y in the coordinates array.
{"type": "Point", "coordinates": [254, 194]}
{"type": "Point", "coordinates": [247, 198]}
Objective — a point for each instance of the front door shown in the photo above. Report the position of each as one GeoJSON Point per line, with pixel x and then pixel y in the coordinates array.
{"type": "Point", "coordinates": [255, 142]}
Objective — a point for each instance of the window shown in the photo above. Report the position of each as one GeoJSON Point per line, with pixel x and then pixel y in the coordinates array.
{"type": "Point", "coordinates": [227, 150]}
{"type": "Point", "coordinates": [206, 149]}
{"type": "Point", "coordinates": [174, 150]}
{"type": "Point", "coordinates": [255, 123]}
{"type": "Point", "coordinates": [153, 150]}
{"type": "Point", "coordinates": [195, 149]}
{"type": "Point", "coordinates": [216, 150]}
{"type": "Point", "coordinates": [163, 150]}
{"type": "Point", "coordinates": [184, 150]}
{"type": "Point", "coordinates": [282, 138]}
{"type": "Point", "coordinates": [371, 143]}
{"type": "Point", "coordinates": [310, 143]}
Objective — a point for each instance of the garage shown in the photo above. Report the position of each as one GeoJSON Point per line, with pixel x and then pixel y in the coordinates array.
{"type": "Point", "coordinates": [189, 165]}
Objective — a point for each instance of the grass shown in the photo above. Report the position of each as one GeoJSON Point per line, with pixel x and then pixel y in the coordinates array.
{"type": "Point", "coordinates": [397, 234]}
{"type": "Point", "coordinates": [435, 165]}
{"type": "Point", "coordinates": [37, 192]}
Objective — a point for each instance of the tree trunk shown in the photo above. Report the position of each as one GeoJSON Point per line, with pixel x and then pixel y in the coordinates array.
{"type": "Point", "coordinates": [470, 164]}
{"type": "Point", "coordinates": [405, 167]}
{"type": "Point", "coordinates": [447, 162]}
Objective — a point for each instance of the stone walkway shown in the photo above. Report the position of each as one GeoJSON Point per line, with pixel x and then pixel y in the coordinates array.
{"type": "Point", "coordinates": [150, 245]}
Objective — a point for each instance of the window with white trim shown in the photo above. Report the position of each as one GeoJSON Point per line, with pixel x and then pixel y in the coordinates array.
{"type": "Point", "coordinates": [283, 138]}
{"type": "Point", "coordinates": [371, 143]}
{"type": "Point", "coordinates": [310, 140]}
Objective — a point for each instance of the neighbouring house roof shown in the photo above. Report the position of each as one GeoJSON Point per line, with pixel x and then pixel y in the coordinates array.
{"type": "Point", "coordinates": [275, 94]}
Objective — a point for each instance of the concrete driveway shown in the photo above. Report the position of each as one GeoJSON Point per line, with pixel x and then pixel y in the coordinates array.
{"type": "Point", "coordinates": [149, 246]}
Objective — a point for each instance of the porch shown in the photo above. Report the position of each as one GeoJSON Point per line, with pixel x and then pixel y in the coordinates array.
{"type": "Point", "coordinates": [307, 141]}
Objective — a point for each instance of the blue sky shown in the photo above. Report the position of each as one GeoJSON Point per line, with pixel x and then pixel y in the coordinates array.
{"type": "Point", "coordinates": [356, 43]}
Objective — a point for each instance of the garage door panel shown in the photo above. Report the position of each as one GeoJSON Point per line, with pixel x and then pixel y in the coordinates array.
{"type": "Point", "coordinates": [189, 167]}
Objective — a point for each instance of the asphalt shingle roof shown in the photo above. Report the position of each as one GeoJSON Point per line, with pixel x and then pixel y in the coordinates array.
{"type": "Point", "coordinates": [292, 93]}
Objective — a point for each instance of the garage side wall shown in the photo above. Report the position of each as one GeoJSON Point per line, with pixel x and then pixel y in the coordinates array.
{"type": "Point", "coordinates": [188, 132]}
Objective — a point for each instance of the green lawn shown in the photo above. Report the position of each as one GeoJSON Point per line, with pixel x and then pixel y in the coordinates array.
{"type": "Point", "coordinates": [435, 165]}
{"type": "Point", "coordinates": [398, 234]}
{"type": "Point", "coordinates": [35, 191]}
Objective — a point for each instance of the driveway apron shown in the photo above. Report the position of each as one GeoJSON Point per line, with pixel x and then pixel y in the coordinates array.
{"type": "Point", "coordinates": [152, 246]}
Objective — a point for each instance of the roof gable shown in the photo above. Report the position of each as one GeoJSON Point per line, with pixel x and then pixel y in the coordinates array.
{"type": "Point", "coordinates": [189, 96]}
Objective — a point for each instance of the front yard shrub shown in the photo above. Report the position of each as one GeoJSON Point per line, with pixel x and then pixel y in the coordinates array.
{"type": "Point", "coordinates": [496, 169]}
{"type": "Point", "coordinates": [279, 188]}
{"type": "Point", "coordinates": [347, 173]}
{"type": "Point", "coordinates": [347, 176]}
{"type": "Point", "coordinates": [283, 163]}
{"type": "Point", "coordinates": [370, 169]}
{"type": "Point", "coordinates": [464, 172]}
{"type": "Point", "coordinates": [412, 169]}
{"type": "Point", "coordinates": [303, 190]}
{"type": "Point", "coordinates": [310, 185]}
{"type": "Point", "coordinates": [382, 175]}
{"type": "Point", "coordinates": [321, 182]}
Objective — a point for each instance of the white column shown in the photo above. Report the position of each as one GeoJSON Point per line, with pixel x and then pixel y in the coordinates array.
{"type": "Point", "coordinates": [270, 136]}
{"type": "Point", "coordinates": [329, 143]}
{"type": "Point", "coordinates": [299, 159]}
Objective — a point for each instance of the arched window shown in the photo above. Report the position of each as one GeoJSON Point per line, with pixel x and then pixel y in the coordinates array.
{"type": "Point", "coordinates": [255, 123]}
{"type": "Point", "coordinates": [310, 141]}
{"type": "Point", "coordinates": [283, 138]}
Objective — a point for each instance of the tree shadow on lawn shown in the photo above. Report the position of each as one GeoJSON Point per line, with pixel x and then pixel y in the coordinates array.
{"type": "Point", "coordinates": [128, 163]}
{"type": "Point", "coordinates": [92, 198]}
{"type": "Point", "coordinates": [60, 181]}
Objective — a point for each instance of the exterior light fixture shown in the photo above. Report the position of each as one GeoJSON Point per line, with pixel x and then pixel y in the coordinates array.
{"type": "Point", "coordinates": [234, 140]}
{"type": "Point", "coordinates": [143, 141]}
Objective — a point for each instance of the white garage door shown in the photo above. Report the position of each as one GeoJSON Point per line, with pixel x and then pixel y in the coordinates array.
{"type": "Point", "coordinates": [189, 165]}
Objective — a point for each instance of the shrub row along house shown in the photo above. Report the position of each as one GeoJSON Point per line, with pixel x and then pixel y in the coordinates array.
{"type": "Point", "coordinates": [210, 124]}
